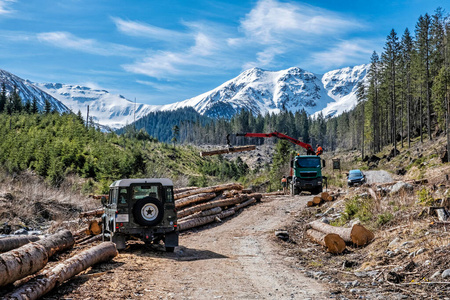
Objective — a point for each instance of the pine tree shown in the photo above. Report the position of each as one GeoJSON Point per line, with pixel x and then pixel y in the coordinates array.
{"type": "Point", "coordinates": [373, 77]}
{"type": "Point", "coordinates": [406, 49]}
{"type": "Point", "coordinates": [34, 106]}
{"type": "Point", "coordinates": [3, 98]}
{"type": "Point", "coordinates": [47, 107]}
{"type": "Point", "coordinates": [423, 39]}
{"type": "Point", "coordinates": [390, 59]}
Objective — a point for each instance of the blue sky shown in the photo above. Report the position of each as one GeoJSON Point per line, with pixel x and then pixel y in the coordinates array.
{"type": "Point", "coordinates": [163, 51]}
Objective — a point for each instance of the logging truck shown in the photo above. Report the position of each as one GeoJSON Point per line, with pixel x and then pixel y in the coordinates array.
{"type": "Point", "coordinates": [306, 170]}
{"type": "Point", "coordinates": [143, 209]}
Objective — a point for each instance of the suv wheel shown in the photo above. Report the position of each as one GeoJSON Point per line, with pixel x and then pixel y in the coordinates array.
{"type": "Point", "coordinates": [148, 211]}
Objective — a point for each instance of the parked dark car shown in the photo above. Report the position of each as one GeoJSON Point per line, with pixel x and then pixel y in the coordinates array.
{"type": "Point", "coordinates": [356, 177]}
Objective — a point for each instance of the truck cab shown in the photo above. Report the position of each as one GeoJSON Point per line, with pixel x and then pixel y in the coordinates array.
{"type": "Point", "coordinates": [307, 174]}
{"type": "Point", "coordinates": [141, 209]}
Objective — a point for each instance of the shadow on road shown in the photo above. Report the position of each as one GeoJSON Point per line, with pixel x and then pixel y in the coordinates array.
{"type": "Point", "coordinates": [181, 253]}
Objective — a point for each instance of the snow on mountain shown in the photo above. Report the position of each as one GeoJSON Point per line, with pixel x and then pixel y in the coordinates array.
{"type": "Point", "coordinates": [256, 90]}
{"type": "Point", "coordinates": [341, 86]}
{"type": "Point", "coordinates": [28, 91]}
{"type": "Point", "coordinates": [107, 109]}
{"type": "Point", "coordinates": [261, 92]}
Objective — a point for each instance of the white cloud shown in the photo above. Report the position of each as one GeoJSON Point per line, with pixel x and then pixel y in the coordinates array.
{"type": "Point", "coordinates": [139, 29]}
{"type": "Point", "coordinates": [348, 52]}
{"type": "Point", "coordinates": [4, 6]}
{"type": "Point", "coordinates": [273, 22]}
{"type": "Point", "coordinates": [69, 41]}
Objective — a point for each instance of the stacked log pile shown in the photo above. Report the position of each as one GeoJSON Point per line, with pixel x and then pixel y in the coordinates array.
{"type": "Point", "coordinates": [200, 206]}
{"type": "Point", "coordinates": [319, 200]}
{"type": "Point", "coordinates": [335, 238]}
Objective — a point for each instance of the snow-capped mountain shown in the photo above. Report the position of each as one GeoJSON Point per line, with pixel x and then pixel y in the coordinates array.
{"type": "Point", "coordinates": [261, 92]}
{"type": "Point", "coordinates": [341, 86]}
{"type": "Point", "coordinates": [28, 91]}
{"type": "Point", "coordinates": [272, 91]}
{"type": "Point", "coordinates": [256, 90]}
{"type": "Point", "coordinates": [107, 109]}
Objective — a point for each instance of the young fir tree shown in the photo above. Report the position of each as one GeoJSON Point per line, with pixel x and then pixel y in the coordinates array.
{"type": "Point", "coordinates": [34, 106]}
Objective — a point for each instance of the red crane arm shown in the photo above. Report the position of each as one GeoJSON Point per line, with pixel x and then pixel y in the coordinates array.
{"type": "Point", "coordinates": [279, 135]}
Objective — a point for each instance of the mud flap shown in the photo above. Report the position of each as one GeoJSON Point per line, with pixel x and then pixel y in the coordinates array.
{"type": "Point", "coordinates": [171, 239]}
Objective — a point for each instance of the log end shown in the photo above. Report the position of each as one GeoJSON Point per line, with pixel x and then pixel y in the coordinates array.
{"type": "Point", "coordinates": [360, 235]}
{"type": "Point", "coordinates": [310, 203]}
{"type": "Point", "coordinates": [334, 243]}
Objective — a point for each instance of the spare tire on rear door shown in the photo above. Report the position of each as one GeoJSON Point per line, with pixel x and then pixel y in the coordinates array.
{"type": "Point", "coordinates": [148, 211]}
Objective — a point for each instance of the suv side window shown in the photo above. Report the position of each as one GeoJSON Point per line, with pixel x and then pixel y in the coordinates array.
{"type": "Point", "coordinates": [112, 196]}
{"type": "Point", "coordinates": [169, 195]}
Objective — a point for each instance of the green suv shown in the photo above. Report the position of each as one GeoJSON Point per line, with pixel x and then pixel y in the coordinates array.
{"type": "Point", "coordinates": [143, 209]}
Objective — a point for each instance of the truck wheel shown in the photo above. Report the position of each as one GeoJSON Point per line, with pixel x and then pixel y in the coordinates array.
{"type": "Point", "coordinates": [148, 211]}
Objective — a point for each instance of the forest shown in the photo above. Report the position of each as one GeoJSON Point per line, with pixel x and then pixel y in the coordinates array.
{"type": "Point", "coordinates": [405, 97]}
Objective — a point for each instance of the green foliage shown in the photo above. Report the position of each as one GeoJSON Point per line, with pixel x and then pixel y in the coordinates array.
{"type": "Point", "coordinates": [384, 218]}
{"type": "Point", "coordinates": [358, 207]}
{"type": "Point", "coordinates": [424, 197]}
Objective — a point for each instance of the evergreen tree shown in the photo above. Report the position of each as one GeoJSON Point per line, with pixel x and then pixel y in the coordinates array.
{"type": "Point", "coordinates": [423, 39]}
{"type": "Point", "coordinates": [47, 107]}
{"type": "Point", "coordinates": [406, 50]}
{"type": "Point", "coordinates": [373, 77]}
{"type": "Point", "coordinates": [3, 98]}
{"type": "Point", "coordinates": [34, 106]}
{"type": "Point", "coordinates": [175, 134]}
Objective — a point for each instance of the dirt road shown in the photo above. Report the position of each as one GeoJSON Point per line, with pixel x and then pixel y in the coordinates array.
{"type": "Point", "coordinates": [238, 259]}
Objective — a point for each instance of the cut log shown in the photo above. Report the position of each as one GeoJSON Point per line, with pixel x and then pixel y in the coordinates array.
{"type": "Point", "coordinates": [247, 191]}
{"type": "Point", "coordinates": [32, 257]}
{"type": "Point", "coordinates": [194, 199]}
{"type": "Point", "coordinates": [333, 242]}
{"type": "Point", "coordinates": [310, 203]}
{"type": "Point", "coordinates": [257, 196]}
{"type": "Point", "coordinates": [93, 213]}
{"type": "Point", "coordinates": [62, 272]}
{"type": "Point", "coordinates": [184, 189]}
{"type": "Point", "coordinates": [228, 150]}
{"type": "Point", "coordinates": [205, 213]}
{"type": "Point", "coordinates": [14, 242]}
{"type": "Point", "coordinates": [91, 240]}
{"type": "Point", "coordinates": [317, 200]}
{"type": "Point", "coordinates": [330, 198]}
{"type": "Point", "coordinates": [94, 228]}
{"type": "Point", "coordinates": [212, 204]}
{"type": "Point", "coordinates": [216, 188]}
{"type": "Point", "coordinates": [244, 204]}
{"type": "Point", "coordinates": [277, 193]}
{"type": "Point", "coordinates": [358, 234]}
{"type": "Point", "coordinates": [324, 196]}
{"type": "Point", "coordinates": [188, 224]}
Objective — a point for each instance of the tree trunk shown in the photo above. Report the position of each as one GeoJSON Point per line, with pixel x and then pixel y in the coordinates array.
{"type": "Point", "coordinates": [317, 200]}
{"type": "Point", "coordinates": [212, 204]}
{"type": "Point", "coordinates": [194, 199]}
{"type": "Point", "coordinates": [229, 150]}
{"type": "Point", "coordinates": [205, 213]}
{"type": "Point", "coordinates": [14, 242]}
{"type": "Point", "coordinates": [217, 188]}
{"type": "Point", "coordinates": [310, 203]}
{"type": "Point", "coordinates": [181, 190]}
{"type": "Point", "coordinates": [324, 196]}
{"type": "Point", "coordinates": [244, 204]}
{"type": "Point", "coordinates": [204, 220]}
{"type": "Point", "coordinates": [333, 242]}
{"type": "Point", "coordinates": [91, 239]}
{"type": "Point", "coordinates": [357, 235]}
{"type": "Point", "coordinates": [38, 287]}
{"type": "Point", "coordinates": [32, 257]}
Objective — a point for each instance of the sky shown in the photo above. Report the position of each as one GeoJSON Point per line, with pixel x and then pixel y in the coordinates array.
{"type": "Point", "coordinates": [164, 51]}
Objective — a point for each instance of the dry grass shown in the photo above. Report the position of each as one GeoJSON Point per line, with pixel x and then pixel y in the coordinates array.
{"type": "Point", "coordinates": [26, 201]}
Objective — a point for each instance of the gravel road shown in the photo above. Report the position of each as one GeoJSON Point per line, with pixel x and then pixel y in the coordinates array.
{"type": "Point", "coordinates": [238, 259]}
